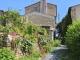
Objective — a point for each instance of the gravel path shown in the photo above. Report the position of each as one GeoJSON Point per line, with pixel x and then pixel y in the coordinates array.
{"type": "Point", "coordinates": [56, 54]}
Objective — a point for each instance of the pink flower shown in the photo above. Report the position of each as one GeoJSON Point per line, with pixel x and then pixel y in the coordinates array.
{"type": "Point", "coordinates": [43, 51]}
{"type": "Point", "coordinates": [13, 33]}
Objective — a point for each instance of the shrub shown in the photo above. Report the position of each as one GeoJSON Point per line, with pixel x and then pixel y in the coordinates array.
{"type": "Point", "coordinates": [47, 44]}
{"type": "Point", "coordinates": [73, 40]}
{"type": "Point", "coordinates": [6, 54]}
{"type": "Point", "coordinates": [26, 47]}
{"type": "Point", "coordinates": [34, 56]}
{"type": "Point", "coordinates": [57, 43]}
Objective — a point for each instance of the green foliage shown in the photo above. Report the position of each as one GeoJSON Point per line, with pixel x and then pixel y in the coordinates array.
{"type": "Point", "coordinates": [45, 43]}
{"type": "Point", "coordinates": [30, 28]}
{"type": "Point", "coordinates": [73, 39]}
{"type": "Point", "coordinates": [63, 25]}
{"type": "Point", "coordinates": [32, 39]}
{"type": "Point", "coordinates": [34, 56]}
{"type": "Point", "coordinates": [25, 45]}
{"type": "Point", "coordinates": [42, 42]}
{"type": "Point", "coordinates": [33, 29]}
{"type": "Point", "coordinates": [16, 29]}
{"type": "Point", "coordinates": [57, 43]}
{"type": "Point", "coordinates": [6, 54]}
{"type": "Point", "coordinates": [52, 44]}
{"type": "Point", "coordinates": [11, 20]}
{"type": "Point", "coordinates": [1, 28]}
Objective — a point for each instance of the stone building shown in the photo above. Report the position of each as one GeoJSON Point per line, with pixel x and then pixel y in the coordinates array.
{"type": "Point", "coordinates": [75, 12]}
{"type": "Point", "coordinates": [42, 14]}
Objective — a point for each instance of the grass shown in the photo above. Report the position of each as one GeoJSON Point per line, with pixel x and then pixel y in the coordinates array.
{"type": "Point", "coordinates": [66, 54]}
{"type": "Point", "coordinates": [34, 56]}
{"type": "Point", "coordinates": [29, 58]}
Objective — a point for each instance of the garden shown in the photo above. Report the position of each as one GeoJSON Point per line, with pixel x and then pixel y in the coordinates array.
{"type": "Point", "coordinates": [21, 41]}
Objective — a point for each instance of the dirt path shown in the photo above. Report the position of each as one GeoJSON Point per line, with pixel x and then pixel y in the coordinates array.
{"type": "Point", "coordinates": [56, 54]}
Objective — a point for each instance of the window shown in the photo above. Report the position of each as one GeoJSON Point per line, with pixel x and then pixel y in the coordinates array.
{"type": "Point", "coordinates": [35, 8]}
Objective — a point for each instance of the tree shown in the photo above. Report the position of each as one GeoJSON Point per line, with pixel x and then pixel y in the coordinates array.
{"type": "Point", "coordinates": [63, 25]}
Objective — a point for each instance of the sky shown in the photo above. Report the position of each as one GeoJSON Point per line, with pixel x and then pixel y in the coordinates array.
{"type": "Point", "coordinates": [62, 5]}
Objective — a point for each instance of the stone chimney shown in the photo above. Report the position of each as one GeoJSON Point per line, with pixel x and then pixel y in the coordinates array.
{"type": "Point", "coordinates": [43, 6]}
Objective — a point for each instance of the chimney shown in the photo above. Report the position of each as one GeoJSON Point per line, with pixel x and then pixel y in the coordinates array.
{"type": "Point", "coordinates": [43, 6]}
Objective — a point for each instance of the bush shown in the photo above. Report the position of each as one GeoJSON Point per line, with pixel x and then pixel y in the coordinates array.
{"type": "Point", "coordinates": [6, 54]}
{"type": "Point", "coordinates": [26, 47]}
{"type": "Point", "coordinates": [73, 40]}
{"type": "Point", "coordinates": [57, 43]}
{"type": "Point", "coordinates": [44, 43]}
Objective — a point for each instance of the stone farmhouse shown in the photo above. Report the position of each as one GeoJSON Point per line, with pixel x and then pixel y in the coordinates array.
{"type": "Point", "coordinates": [74, 12]}
{"type": "Point", "coordinates": [42, 14]}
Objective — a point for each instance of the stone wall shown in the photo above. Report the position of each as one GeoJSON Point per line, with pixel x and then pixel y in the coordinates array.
{"type": "Point", "coordinates": [40, 20]}
{"type": "Point", "coordinates": [75, 12]}
{"type": "Point", "coordinates": [30, 8]}
{"type": "Point", "coordinates": [51, 9]}
{"type": "Point", "coordinates": [43, 20]}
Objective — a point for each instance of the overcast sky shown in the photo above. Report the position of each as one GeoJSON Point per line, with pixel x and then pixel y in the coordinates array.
{"type": "Point", "coordinates": [62, 5]}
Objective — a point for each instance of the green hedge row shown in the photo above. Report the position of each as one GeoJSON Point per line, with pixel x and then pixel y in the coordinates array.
{"type": "Point", "coordinates": [73, 40]}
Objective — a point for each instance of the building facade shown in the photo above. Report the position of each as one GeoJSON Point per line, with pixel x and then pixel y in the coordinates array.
{"type": "Point", "coordinates": [42, 14]}
{"type": "Point", "coordinates": [75, 12]}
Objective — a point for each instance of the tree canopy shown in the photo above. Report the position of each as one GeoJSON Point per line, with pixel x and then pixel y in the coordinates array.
{"type": "Point", "coordinates": [63, 25]}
